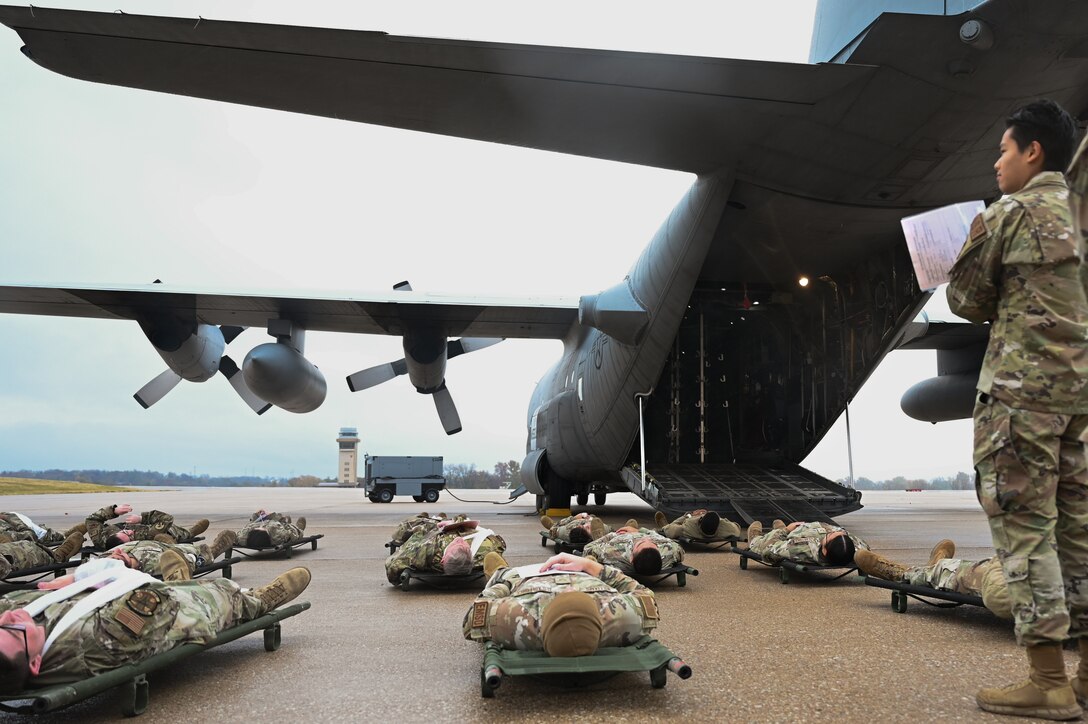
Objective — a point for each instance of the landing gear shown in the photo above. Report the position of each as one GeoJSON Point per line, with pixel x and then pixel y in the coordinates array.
{"type": "Point", "coordinates": [599, 498]}
{"type": "Point", "coordinates": [583, 499]}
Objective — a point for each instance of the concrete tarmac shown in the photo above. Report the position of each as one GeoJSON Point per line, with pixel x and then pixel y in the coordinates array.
{"type": "Point", "coordinates": [813, 650]}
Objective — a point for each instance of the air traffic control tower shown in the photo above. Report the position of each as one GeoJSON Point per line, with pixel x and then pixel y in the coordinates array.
{"type": "Point", "coordinates": [348, 470]}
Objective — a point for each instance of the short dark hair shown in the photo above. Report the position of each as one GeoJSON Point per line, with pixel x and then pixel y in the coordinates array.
{"type": "Point", "coordinates": [579, 535]}
{"type": "Point", "coordinates": [14, 673]}
{"type": "Point", "coordinates": [709, 522]}
{"type": "Point", "coordinates": [259, 538]}
{"type": "Point", "coordinates": [647, 561]}
{"type": "Point", "coordinates": [1049, 124]}
{"type": "Point", "coordinates": [113, 541]}
{"type": "Point", "coordinates": [840, 550]}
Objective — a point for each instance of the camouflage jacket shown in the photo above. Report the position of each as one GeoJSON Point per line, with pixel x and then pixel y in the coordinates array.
{"type": "Point", "coordinates": [423, 552]}
{"type": "Point", "coordinates": [615, 549]}
{"type": "Point", "coordinates": [280, 532]}
{"type": "Point", "coordinates": [154, 618]}
{"type": "Point", "coordinates": [802, 544]}
{"type": "Point", "coordinates": [148, 553]}
{"type": "Point", "coordinates": [509, 611]}
{"type": "Point", "coordinates": [15, 528]}
{"type": "Point", "coordinates": [153, 522]}
{"type": "Point", "coordinates": [409, 526]}
{"type": "Point", "coordinates": [1023, 269]}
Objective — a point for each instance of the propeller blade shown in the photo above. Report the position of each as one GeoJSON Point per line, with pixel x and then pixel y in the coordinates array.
{"type": "Point", "coordinates": [372, 376]}
{"type": "Point", "coordinates": [157, 388]}
{"type": "Point", "coordinates": [464, 345]}
{"type": "Point", "coordinates": [230, 370]}
{"type": "Point", "coordinates": [230, 332]}
{"type": "Point", "coordinates": [402, 287]}
{"type": "Point", "coordinates": [447, 411]}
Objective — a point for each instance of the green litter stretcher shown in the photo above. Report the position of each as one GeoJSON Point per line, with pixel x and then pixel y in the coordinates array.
{"type": "Point", "coordinates": [713, 543]}
{"type": "Point", "coordinates": [561, 546]}
{"type": "Point", "coordinates": [679, 570]}
{"type": "Point", "coordinates": [644, 654]}
{"type": "Point", "coordinates": [435, 579]}
{"type": "Point", "coordinates": [786, 565]}
{"type": "Point", "coordinates": [133, 677]}
{"type": "Point", "coordinates": [941, 599]}
{"type": "Point", "coordinates": [285, 549]}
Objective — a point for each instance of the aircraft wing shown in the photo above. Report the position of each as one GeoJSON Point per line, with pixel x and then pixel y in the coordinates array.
{"type": "Point", "coordinates": [374, 314]}
{"type": "Point", "coordinates": [670, 111]}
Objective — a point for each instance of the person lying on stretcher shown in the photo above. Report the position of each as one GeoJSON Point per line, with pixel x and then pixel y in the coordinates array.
{"type": "Point", "coordinates": [818, 544]}
{"type": "Point", "coordinates": [567, 606]}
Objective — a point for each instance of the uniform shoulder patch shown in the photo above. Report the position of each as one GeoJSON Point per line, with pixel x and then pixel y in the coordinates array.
{"type": "Point", "coordinates": [649, 605]}
{"type": "Point", "coordinates": [479, 613]}
{"type": "Point", "coordinates": [143, 601]}
{"type": "Point", "coordinates": [978, 229]}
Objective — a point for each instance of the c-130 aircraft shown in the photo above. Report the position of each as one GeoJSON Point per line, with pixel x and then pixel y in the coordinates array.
{"type": "Point", "coordinates": [707, 373]}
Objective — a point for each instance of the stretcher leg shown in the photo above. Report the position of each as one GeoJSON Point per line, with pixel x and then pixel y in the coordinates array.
{"type": "Point", "coordinates": [784, 574]}
{"type": "Point", "coordinates": [899, 601]}
{"type": "Point", "coordinates": [405, 579]}
{"type": "Point", "coordinates": [658, 677]}
{"type": "Point", "coordinates": [136, 696]}
{"type": "Point", "coordinates": [743, 563]}
{"type": "Point", "coordinates": [313, 544]}
{"type": "Point", "coordinates": [490, 678]}
{"type": "Point", "coordinates": [272, 637]}
{"type": "Point", "coordinates": [681, 579]}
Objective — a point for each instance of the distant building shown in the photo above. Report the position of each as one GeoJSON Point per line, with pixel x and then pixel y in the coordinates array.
{"type": "Point", "coordinates": [347, 472]}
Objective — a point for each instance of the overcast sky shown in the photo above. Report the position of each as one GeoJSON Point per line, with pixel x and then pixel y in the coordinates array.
{"type": "Point", "coordinates": [106, 185]}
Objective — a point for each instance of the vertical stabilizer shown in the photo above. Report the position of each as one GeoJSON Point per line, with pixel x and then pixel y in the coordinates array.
{"type": "Point", "coordinates": [841, 24]}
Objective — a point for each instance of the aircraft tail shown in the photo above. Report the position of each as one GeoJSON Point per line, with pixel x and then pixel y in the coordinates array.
{"type": "Point", "coordinates": [840, 25]}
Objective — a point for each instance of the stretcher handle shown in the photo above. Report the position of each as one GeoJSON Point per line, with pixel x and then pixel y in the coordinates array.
{"type": "Point", "coordinates": [678, 667]}
{"type": "Point", "coordinates": [493, 676]}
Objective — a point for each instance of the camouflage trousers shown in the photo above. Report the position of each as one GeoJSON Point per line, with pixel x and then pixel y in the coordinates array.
{"type": "Point", "coordinates": [23, 554]}
{"type": "Point", "coordinates": [950, 574]}
{"type": "Point", "coordinates": [1032, 482]}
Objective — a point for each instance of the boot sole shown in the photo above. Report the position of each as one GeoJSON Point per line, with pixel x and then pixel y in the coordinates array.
{"type": "Point", "coordinates": [1052, 713]}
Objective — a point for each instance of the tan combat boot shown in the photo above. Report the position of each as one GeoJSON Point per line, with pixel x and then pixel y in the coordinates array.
{"type": "Point", "coordinates": [198, 527]}
{"type": "Point", "coordinates": [944, 549]}
{"type": "Point", "coordinates": [493, 561]}
{"type": "Point", "coordinates": [224, 541]}
{"type": "Point", "coordinates": [80, 528]}
{"type": "Point", "coordinates": [778, 523]}
{"type": "Point", "coordinates": [283, 588]}
{"type": "Point", "coordinates": [164, 538]}
{"type": "Point", "coordinates": [547, 522]}
{"type": "Point", "coordinates": [301, 523]}
{"type": "Point", "coordinates": [597, 528]}
{"type": "Point", "coordinates": [173, 566]}
{"type": "Point", "coordinates": [660, 520]}
{"type": "Point", "coordinates": [631, 523]}
{"type": "Point", "coordinates": [755, 530]}
{"type": "Point", "coordinates": [1080, 681]}
{"type": "Point", "coordinates": [877, 566]}
{"type": "Point", "coordinates": [68, 548]}
{"type": "Point", "coordinates": [1045, 695]}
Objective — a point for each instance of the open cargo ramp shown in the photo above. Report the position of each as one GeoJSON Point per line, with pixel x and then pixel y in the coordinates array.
{"type": "Point", "coordinates": [743, 492]}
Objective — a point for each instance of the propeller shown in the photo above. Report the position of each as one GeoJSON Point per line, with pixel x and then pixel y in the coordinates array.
{"type": "Point", "coordinates": [158, 387]}
{"type": "Point", "coordinates": [447, 411]}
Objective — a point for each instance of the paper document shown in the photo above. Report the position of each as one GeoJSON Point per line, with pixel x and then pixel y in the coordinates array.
{"type": "Point", "coordinates": [934, 240]}
{"type": "Point", "coordinates": [533, 570]}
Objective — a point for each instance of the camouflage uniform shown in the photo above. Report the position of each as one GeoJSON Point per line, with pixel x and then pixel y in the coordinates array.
{"type": "Point", "coordinates": [802, 544]}
{"type": "Point", "coordinates": [617, 549]}
{"type": "Point", "coordinates": [148, 552]}
{"type": "Point", "coordinates": [409, 526]}
{"type": "Point", "coordinates": [972, 578]}
{"type": "Point", "coordinates": [152, 523]}
{"type": "Point", "coordinates": [280, 529]}
{"type": "Point", "coordinates": [1022, 268]}
{"type": "Point", "coordinates": [15, 528]}
{"type": "Point", "coordinates": [165, 614]}
{"type": "Point", "coordinates": [20, 555]}
{"type": "Point", "coordinates": [510, 609]}
{"type": "Point", "coordinates": [561, 530]}
{"type": "Point", "coordinates": [423, 551]}
{"type": "Point", "coordinates": [687, 526]}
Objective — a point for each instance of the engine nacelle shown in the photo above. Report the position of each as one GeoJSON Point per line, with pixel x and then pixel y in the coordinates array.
{"type": "Point", "coordinates": [425, 357]}
{"type": "Point", "coordinates": [279, 374]}
{"type": "Point", "coordinates": [939, 399]}
{"type": "Point", "coordinates": [195, 357]}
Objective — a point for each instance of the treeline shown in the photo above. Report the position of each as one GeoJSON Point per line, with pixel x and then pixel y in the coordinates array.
{"type": "Point", "coordinates": [457, 476]}
{"type": "Point", "coordinates": [145, 477]}
{"type": "Point", "coordinates": [960, 481]}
